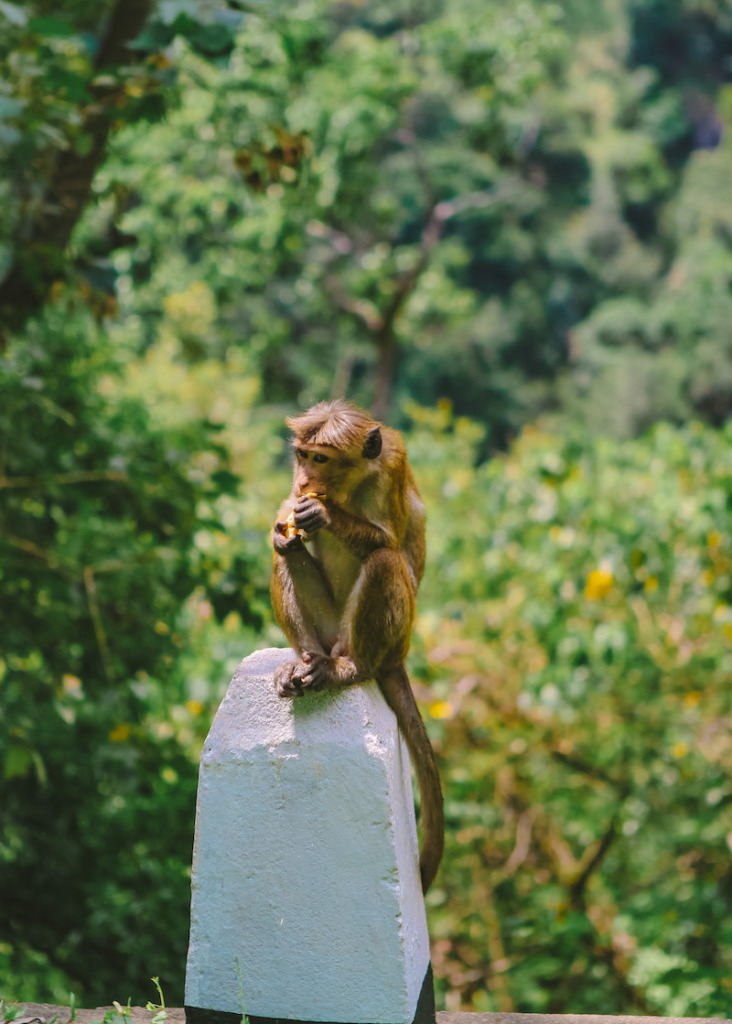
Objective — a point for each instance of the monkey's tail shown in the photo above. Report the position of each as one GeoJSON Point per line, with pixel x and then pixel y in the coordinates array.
{"type": "Point", "coordinates": [395, 686]}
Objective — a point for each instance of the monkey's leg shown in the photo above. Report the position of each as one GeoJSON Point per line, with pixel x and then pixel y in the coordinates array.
{"type": "Point", "coordinates": [304, 608]}
{"type": "Point", "coordinates": [375, 627]}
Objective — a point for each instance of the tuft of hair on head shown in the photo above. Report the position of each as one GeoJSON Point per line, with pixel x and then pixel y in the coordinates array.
{"type": "Point", "coordinates": [336, 424]}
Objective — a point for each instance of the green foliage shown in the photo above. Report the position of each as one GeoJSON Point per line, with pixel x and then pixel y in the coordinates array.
{"type": "Point", "coordinates": [684, 39]}
{"type": "Point", "coordinates": [491, 209]}
{"type": "Point", "coordinates": [576, 635]}
{"type": "Point", "coordinates": [72, 75]}
{"type": "Point", "coordinates": [306, 198]}
{"type": "Point", "coordinates": [99, 509]}
{"type": "Point", "coordinates": [308, 202]}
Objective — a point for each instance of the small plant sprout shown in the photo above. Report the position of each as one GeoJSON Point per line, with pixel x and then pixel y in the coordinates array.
{"type": "Point", "coordinates": [160, 1014]}
{"type": "Point", "coordinates": [244, 1018]}
{"type": "Point", "coordinates": [115, 1013]}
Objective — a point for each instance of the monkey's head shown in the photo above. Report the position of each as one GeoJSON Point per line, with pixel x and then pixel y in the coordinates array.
{"type": "Point", "coordinates": [336, 446]}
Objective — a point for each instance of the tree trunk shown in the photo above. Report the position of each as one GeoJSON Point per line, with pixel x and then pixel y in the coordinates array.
{"type": "Point", "coordinates": [386, 348]}
{"type": "Point", "coordinates": [39, 256]}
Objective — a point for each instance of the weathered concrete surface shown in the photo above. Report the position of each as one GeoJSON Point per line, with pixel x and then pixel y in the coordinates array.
{"type": "Point", "coordinates": [43, 1013]}
{"type": "Point", "coordinates": [306, 890]}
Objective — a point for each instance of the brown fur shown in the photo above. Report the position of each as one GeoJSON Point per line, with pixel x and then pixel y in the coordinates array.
{"type": "Point", "coordinates": [338, 425]}
{"type": "Point", "coordinates": [346, 602]}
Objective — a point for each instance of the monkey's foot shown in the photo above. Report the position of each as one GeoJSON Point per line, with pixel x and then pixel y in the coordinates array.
{"type": "Point", "coordinates": [321, 671]}
{"type": "Point", "coordinates": [288, 679]}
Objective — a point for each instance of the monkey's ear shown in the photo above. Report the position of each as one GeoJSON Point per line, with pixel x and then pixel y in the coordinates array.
{"type": "Point", "coordinates": [372, 444]}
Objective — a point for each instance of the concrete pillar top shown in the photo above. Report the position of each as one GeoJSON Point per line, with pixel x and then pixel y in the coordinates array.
{"type": "Point", "coordinates": [251, 715]}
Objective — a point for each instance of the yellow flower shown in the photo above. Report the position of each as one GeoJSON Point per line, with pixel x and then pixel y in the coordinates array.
{"type": "Point", "coordinates": [599, 584]}
{"type": "Point", "coordinates": [120, 733]}
{"type": "Point", "coordinates": [441, 709]}
{"type": "Point", "coordinates": [680, 749]}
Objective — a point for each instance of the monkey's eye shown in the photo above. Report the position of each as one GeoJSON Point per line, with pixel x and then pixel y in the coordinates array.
{"type": "Point", "coordinates": [301, 454]}
{"type": "Point", "coordinates": [318, 457]}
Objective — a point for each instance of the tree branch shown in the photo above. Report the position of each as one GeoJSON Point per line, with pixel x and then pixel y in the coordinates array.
{"type": "Point", "coordinates": [362, 308]}
{"type": "Point", "coordinates": [382, 324]}
{"type": "Point", "coordinates": [587, 769]}
{"type": "Point", "coordinates": [577, 888]}
{"type": "Point", "coordinates": [51, 560]}
{"type": "Point", "coordinates": [99, 632]}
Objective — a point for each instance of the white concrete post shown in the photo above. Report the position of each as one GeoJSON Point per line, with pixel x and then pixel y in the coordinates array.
{"type": "Point", "coordinates": [307, 903]}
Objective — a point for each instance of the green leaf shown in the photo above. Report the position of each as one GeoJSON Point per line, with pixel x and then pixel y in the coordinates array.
{"type": "Point", "coordinates": [53, 28]}
{"type": "Point", "coordinates": [215, 40]}
{"type": "Point", "coordinates": [226, 481]}
{"type": "Point", "coordinates": [18, 760]}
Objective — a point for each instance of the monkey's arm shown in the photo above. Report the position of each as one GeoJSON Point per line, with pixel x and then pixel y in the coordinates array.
{"type": "Point", "coordinates": [360, 536]}
{"type": "Point", "coordinates": [301, 597]}
{"type": "Point", "coordinates": [294, 566]}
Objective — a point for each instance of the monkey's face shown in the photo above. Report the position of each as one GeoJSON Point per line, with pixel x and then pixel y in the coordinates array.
{"type": "Point", "coordinates": [327, 471]}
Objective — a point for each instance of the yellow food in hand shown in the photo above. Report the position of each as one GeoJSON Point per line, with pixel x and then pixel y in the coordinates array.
{"type": "Point", "coordinates": [290, 529]}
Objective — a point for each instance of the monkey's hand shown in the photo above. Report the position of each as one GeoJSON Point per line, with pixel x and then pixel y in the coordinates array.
{"type": "Point", "coordinates": [284, 543]}
{"type": "Point", "coordinates": [311, 514]}
{"type": "Point", "coordinates": [288, 679]}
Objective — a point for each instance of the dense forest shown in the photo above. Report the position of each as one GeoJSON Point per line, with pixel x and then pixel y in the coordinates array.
{"type": "Point", "coordinates": [505, 229]}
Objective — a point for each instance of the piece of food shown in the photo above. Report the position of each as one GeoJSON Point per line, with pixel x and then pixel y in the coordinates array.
{"type": "Point", "coordinates": [290, 529]}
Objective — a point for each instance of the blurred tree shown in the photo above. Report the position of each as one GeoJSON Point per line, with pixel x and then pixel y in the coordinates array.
{"type": "Point", "coordinates": [99, 509]}
{"type": "Point", "coordinates": [62, 92]}
{"type": "Point", "coordinates": [655, 346]}
{"type": "Point", "coordinates": [381, 211]}
{"type": "Point", "coordinates": [102, 511]}
{"type": "Point", "coordinates": [349, 175]}
{"type": "Point", "coordinates": [666, 355]}
{"type": "Point", "coordinates": [73, 73]}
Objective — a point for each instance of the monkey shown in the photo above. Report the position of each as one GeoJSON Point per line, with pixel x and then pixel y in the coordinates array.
{"type": "Point", "coordinates": [348, 557]}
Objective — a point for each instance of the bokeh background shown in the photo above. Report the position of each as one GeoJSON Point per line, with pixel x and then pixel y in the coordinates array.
{"type": "Point", "coordinates": [507, 229]}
